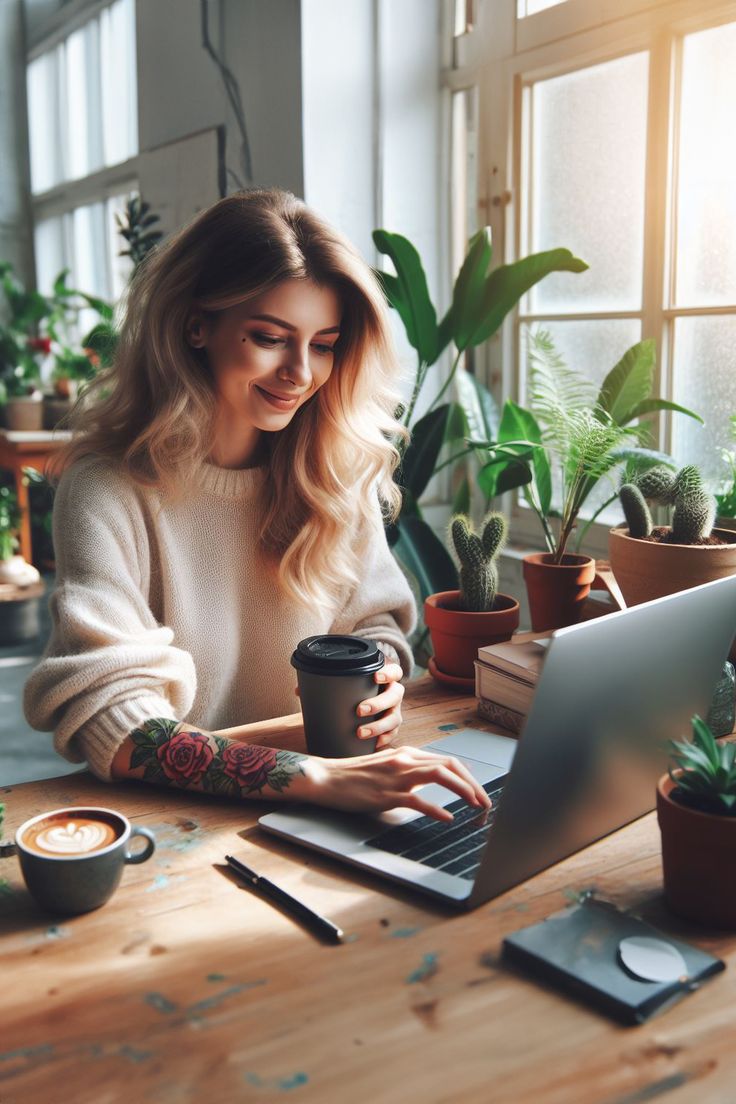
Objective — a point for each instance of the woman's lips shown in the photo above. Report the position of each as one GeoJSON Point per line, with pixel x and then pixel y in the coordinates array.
{"type": "Point", "coordinates": [279, 401]}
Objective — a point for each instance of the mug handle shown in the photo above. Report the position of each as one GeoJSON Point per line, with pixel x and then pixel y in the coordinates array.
{"type": "Point", "coordinates": [141, 856]}
{"type": "Point", "coordinates": [7, 849]}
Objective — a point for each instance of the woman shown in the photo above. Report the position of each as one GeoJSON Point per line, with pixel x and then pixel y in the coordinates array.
{"type": "Point", "coordinates": [222, 499]}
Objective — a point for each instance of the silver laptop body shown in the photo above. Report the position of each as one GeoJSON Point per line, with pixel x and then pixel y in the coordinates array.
{"type": "Point", "coordinates": [611, 694]}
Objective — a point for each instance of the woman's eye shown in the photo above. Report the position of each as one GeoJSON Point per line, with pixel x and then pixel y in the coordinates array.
{"type": "Point", "coordinates": [268, 340]}
{"type": "Point", "coordinates": [324, 350]}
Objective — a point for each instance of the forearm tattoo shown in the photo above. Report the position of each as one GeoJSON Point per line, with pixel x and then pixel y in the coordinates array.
{"type": "Point", "coordinates": [174, 756]}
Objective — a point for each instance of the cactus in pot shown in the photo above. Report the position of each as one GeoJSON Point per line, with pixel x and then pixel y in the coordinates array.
{"type": "Point", "coordinates": [477, 554]}
{"type": "Point", "coordinates": [461, 621]}
{"type": "Point", "coordinates": [694, 508]}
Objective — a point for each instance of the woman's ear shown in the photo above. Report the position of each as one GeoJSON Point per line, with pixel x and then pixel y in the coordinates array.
{"type": "Point", "coordinates": [196, 333]}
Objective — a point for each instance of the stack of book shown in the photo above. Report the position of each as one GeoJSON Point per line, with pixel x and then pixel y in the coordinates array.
{"type": "Point", "coordinates": [505, 680]}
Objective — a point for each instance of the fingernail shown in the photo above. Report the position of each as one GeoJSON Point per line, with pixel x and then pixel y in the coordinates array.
{"type": "Point", "coordinates": [380, 677]}
{"type": "Point", "coordinates": [363, 710]}
{"type": "Point", "coordinates": [364, 733]}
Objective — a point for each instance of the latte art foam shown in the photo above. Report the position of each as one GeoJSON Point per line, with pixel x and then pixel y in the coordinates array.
{"type": "Point", "coordinates": [69, 835]}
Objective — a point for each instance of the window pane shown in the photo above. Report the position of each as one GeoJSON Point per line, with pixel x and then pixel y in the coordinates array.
{"type": "Point", "coordinates": [51, 255]}
{"type": "Point", "coordinates": [44, 121]}
{"type": "Point", "coordinates": [531, 7]}
{"type": "Point", "coordinates": [119, 98]}
{"type": "Point", "coordinates": [464, 173]}
{"type": "Point", "coordinates": [586, 183]}
{"type": "Point", "coordinates": [90, 252]}
{"type": "Point", "coordinates": [706, 207]}
{"type": "Point", "coordinates": [705, 381]}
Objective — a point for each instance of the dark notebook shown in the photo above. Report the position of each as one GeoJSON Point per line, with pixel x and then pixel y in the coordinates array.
{"type": "Point", "coordinates": [578, 949]}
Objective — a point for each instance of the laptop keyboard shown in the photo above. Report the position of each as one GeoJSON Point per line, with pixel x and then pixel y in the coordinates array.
{"type": "Point", "coordinates": [456, 847]}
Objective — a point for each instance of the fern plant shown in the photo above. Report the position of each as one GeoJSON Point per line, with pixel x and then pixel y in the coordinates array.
{"type": "Point", "coordinates": [706, 772]}
{"type": "Point", "coordinates": [579, 435]}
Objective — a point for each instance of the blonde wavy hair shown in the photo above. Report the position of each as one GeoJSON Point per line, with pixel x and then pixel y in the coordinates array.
{"type": "Point", "coordinates": [153, 412]}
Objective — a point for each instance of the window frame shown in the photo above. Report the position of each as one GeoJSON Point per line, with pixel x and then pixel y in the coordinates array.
{"type": "Point", "coordinates": [503, 56]}
{"type": "Point", "coordinates": [103, 183]}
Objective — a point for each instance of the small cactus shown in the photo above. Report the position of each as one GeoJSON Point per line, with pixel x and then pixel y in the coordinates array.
{"type": "Point", "coordinates": [657, 484]}
{"type": "Point", "coordinates": [694, 509]}
{"type": "Point", "coordinates": [477, 556]}
{"type": "Point", "coordinates": [636, 511]}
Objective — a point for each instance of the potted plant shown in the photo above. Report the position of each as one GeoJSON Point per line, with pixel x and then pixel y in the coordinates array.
{"type": "Point", "coordinates": [13, 568]}
{"type": "Point", "coordinates": [481, 299]}
{"type": "Point", "coordinates": [20, 586]}
{"type": "Point", "coordinates": [461, 621]}
{"type": "Point", "coordinates": [696, 810]}
{"type": "Point", "coordinates": [650, 561]}
{"type": "Point", "coordinates": [579, 436]}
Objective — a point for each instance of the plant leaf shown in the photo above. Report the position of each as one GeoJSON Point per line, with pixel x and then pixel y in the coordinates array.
{"type": "Point", "coordinates": [629, 383]}
{"type": "Point", "coordinates": [422, 552]}
{"type": "Point", "coordinates": [468, 290]}
{"type": "Point", "coordinates": [479, 405]}
{"type": "Point", "coordinates": [517, 422]}
{"type": "Point", "coordinates": [649, 406]}
{"type": "Point", "coordinates": [461, 501]}
{"type": "Point", "coordinates": [505, 286]}
{"type": "Point", "coordinates": [420, 458]}
{"type": "Point", "coordinates": [420, 319]}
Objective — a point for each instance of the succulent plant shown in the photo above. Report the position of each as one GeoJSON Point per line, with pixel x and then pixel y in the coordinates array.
{"type": "Point", "coordinates": [694, 508]}
{"type": "Point", "coordinates": [706, 775]}
{"type": "Point", "coordinates": [477, 555]}
{"type": "Point", "coordinates": [636, 511]}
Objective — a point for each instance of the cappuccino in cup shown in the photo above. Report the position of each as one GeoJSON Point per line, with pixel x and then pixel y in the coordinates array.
{"type": "Point", "coordinates": [72, 859]}
{"type": "Point", "coordinates": [70, 834]}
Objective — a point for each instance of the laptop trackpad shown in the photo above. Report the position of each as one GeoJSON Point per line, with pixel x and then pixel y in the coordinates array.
{"type": "Point", "coordinates": [479, 746]}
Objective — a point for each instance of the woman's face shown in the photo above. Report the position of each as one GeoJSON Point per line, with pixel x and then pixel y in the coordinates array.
{"type": "Point", "coordinates": [270, 355]}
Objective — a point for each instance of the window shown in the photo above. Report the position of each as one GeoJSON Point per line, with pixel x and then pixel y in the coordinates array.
{"type": "Point", "coordinates": [609, 127]}
{"type": "Point", "coordinates": [82, 106]}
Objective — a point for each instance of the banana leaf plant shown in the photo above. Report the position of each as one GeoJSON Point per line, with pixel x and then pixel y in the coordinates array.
{"type": "Point", "coordinates": [481, 300]}
{"type": "Point", "coordinates": [580, 435]}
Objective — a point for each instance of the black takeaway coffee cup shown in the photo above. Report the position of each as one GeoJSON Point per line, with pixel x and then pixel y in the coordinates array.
{"type": "Point", "coordinates": [335, 674]}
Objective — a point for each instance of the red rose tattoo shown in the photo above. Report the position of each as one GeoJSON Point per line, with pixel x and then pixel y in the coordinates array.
{"type": "Point", "coordinates": [185, 757]}
{"type": "Point", "coordinates": [249, 766]}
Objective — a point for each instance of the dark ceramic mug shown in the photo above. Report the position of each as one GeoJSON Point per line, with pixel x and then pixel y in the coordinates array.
{"type": "Point", "coordinates": [60, 874]}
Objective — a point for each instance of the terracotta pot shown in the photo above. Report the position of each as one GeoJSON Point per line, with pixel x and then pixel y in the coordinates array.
{"type": "Point", "coordinates": [648, 569]}
{"type": "Point", "coordinates": [557, 591]}
{"type": "Point", "coordinates": [457, 634]}
{"type": "Point", "coordinates": [698, 859]}
{"type": "Point", "coordinates": [25, 413]}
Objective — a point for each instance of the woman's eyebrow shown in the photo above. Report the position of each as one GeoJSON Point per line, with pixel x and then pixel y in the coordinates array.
{"type": "Point", "coordinates": [287, 325]}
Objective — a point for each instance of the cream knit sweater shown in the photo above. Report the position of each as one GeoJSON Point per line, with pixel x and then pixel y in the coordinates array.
{"type": "Point", "coordinates": [158, 612]}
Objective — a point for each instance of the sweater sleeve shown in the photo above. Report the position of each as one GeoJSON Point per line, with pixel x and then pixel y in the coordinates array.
{"type": "Point", "coordinates": [108, 665]}
{"type": "Point", "coordinates": [381, 605]}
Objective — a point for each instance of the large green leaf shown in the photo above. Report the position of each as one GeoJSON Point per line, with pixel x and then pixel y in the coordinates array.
{"type": "Point", "coordinates": [457, 428]}
{"type": "Point", "coordinates": [505, 286]}
{"type": "Point", "coordinates": [461, 499]}
{"type": "Point", "coordinates": [444, 332]}
{"type": "Point", "coordinates": [468, 291]}
{"type": "Point", "coordinates": [629, 383]}
{"type": "Point", "coordinates": [479, 406]}
{"type": "Point", "coordinates": [423, 553]}
{"type": "Point", "coordinates": [420, 459]}
{"type": "Point", "coordinates": [495, 479]}
{"type": "Point", "coordinates": [650, 406]}
{"type": "Point", "coordinates": [518, 422]}
{"type": "Point", "coordinates": [420, 319]}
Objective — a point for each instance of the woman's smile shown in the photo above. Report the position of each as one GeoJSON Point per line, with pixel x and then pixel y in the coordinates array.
{"type": "Point", "coordinates": [281, 402]}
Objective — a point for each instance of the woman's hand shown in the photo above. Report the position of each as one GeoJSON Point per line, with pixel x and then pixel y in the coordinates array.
{"type": "Point", "coordinates": [388, 779]}
{"type": "Point", "coordinates": [388, 703]}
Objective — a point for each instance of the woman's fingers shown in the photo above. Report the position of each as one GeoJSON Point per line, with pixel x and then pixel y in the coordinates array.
{"type": "Point", "coordinates": [441, 775]}
{"type": "Point", "coordinates": [416, 801]}
{"type": "Point", "coordinates": [392, 696]}
{"type": "Point", "coordinates": [390, 672]}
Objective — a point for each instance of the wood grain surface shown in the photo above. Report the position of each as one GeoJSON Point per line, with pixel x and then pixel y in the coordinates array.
{"type": "Point", "coordinates": [187, 987]}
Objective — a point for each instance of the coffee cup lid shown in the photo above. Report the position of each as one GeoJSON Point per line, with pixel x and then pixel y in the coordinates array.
{"type": "Point", "coordinates": [333, 654]}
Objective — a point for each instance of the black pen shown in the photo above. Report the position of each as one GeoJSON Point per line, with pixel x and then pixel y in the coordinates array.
{"type": "Point", "coordinates": [318, 924]}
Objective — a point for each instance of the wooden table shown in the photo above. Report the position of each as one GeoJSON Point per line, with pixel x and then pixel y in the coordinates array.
{"type": "Point", "coordinates": [20, 449]}
{"type": "Point", "coordinates": [185, 987]}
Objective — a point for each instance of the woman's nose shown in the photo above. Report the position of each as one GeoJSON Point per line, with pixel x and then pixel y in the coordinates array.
{"type": "Point", "coordinates": [296, 367]}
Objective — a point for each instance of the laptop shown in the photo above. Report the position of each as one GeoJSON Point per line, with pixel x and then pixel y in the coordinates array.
{"type": "Point", "coordinates": [612, 693]}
